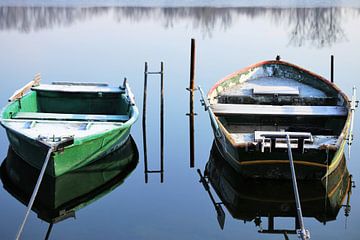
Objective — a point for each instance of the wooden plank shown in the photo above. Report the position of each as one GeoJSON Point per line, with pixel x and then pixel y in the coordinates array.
{"type": "Point", "coordinates": [81, 84]}
{"type": "Point", "coordinates": [259, 135]}
{"type": "Point", "coordinates": [20, 92]}
{"type": "Point", "coordinates": [70, 117]}
{"type": "Point", "coordinates": [287, 110]}
{"type": "Point", "coordinates": [276, 90]}
{"type": "Point", "coordinates": [78, 88]}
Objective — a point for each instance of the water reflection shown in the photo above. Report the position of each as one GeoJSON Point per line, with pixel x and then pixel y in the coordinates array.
{"type": "Point", "coordinates": [319, 27]}
{"type": "Point", "coordinates": [59, 198]}
{"type": "Point", "coordinates": [252, 200]}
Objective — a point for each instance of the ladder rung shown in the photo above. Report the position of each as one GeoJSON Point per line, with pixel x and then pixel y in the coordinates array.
{"type": "Point", "coordinates": [154, 72]}
{"type": "Point", "coordinates": [154, 171]}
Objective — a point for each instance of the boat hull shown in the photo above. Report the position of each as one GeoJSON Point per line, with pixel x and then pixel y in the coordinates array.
{"type": "Point", "coordinates": [79, 154]}
{"type": "Point", "coordinates": [252, 163]}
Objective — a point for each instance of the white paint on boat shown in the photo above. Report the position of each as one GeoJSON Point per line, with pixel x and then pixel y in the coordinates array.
{"type": "Point", "coordinates": [247, 88]}
{"type": "Point", "coordinates": [77, 88]}
{"type": "Point", "coordinates": [278, 90]}
{"type": "Point", "coordinates": [53, 131]}
{"type": "Point", "coordinates": [318, 140]}
{"type": "Point", "coordinates": [288, 110]}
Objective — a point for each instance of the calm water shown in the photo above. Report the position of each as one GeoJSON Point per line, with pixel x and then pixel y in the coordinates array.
{"type": "Point", "coordinates": [77, 43]}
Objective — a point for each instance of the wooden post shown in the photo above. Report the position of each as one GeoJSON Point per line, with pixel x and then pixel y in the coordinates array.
{"type": "Point", "coordinates": [162, 123]}
{"type": "Point", "coordinates": [191, 114]}
{"type": "Point", "coordinates": [332, 69]}
{"type": "Point", "coordinates": [144, 123]}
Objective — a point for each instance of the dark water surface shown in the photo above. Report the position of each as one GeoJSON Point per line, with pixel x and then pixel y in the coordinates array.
{"type": "Point", "coordinates": [95, 44]}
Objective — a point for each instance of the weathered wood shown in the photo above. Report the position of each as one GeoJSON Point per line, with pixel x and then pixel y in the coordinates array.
{"type": "Point", "coordinates": [259, 135]}
{"type": "Point", "coordinates": [276, 90]}
{"type": "Point", "coordinates": [130, 94]}
{"type": "Point", "coordinates": [20, 92]}
{"type": "Point", "coordinates": [146, 170]}
{"type": "Point", "coordinates": [288, 110]}
{"type": "Point", "coordinates": [70, 117]}
{"type": "Point", "coordinates": [332, 69]}
{"type": "Point", "coordinates": [81, 84]}
{"type": "Point", "coordinates": [191, 101]}
{"type": "Point", "coordinates": [279, 100]}
{"type": "Point", "coordinates": [77, 88]}
{"type": "Point", "coordinates": [162, 122]}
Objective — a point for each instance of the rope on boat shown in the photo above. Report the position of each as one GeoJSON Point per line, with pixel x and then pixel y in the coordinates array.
{"type": "Point", "coordinates": [302, 232]}
{"type": "Point", "coordinates": [36, 189]}
{"type": "Point", "coordinates": [206, 104]}
{"type": "Point", "coordinates": [49, 231]}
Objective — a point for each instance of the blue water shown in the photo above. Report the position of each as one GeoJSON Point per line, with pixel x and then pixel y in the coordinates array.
{"type": "Point", "coordinates": [73, 42]}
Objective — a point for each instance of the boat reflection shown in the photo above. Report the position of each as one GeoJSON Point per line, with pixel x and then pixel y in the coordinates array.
{"type": "Point", "coordinates": [59, 198]}
{"type": "Point", "coordinates": [251, 199]}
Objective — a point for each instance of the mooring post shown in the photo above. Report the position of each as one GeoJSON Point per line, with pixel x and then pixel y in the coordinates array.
{"type": "Point", "coordinates": [144, 123]}
{"type": "Point", "coordinates": [191, 113]}
{"type": "Point", "coordinates": [162, 123]}
{"type": "Point", "coordinates": [332, 69]}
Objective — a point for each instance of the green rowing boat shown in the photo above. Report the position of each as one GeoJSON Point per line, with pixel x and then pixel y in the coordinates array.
{"type": "Point", "coordinates": [80, 122]}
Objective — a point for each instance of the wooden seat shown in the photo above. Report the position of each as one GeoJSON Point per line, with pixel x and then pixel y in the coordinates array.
{"type": "Point", "coordinates": [70, 117]}
{"type": "Point", "coordinates": [277, 90]}
{"type": "Point", "coordinates": [78, 88]}
{"type": "Point", "coordinates": [287, 110]}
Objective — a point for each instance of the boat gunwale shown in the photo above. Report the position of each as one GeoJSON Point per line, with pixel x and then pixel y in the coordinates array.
{"type": "Point", "coordinates": [133, 113]}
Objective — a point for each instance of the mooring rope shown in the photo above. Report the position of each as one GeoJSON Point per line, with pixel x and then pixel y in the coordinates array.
{"type": "Point", "coordinates": [33, 196]}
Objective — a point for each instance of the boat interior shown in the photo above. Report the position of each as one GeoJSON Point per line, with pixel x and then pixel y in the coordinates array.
{"type": "Point", "coordinates": [59, 108]}
{"type": "Point", "coordinates": [279, 98]}
{"type": "Point", "coordinates": [73, 99]}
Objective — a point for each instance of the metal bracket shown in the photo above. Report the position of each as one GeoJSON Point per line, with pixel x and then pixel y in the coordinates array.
{"type": "Point", "coordinates": [191, 90]}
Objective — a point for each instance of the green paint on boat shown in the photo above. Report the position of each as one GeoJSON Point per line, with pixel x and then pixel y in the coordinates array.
{"type": "Point", "coordinates": [96, 118]}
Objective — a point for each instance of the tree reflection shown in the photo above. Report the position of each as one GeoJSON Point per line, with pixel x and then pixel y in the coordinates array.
{"type": "Point", "coordinates": [319, 27]}
{"type": "Point", "coordinates": [29, 19]}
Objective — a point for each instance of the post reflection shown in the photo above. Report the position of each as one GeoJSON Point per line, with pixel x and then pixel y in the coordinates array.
{"type": "Point", "coordinates": [263, 200]}
{"type": "Point", "coordinates": [318, 27]}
